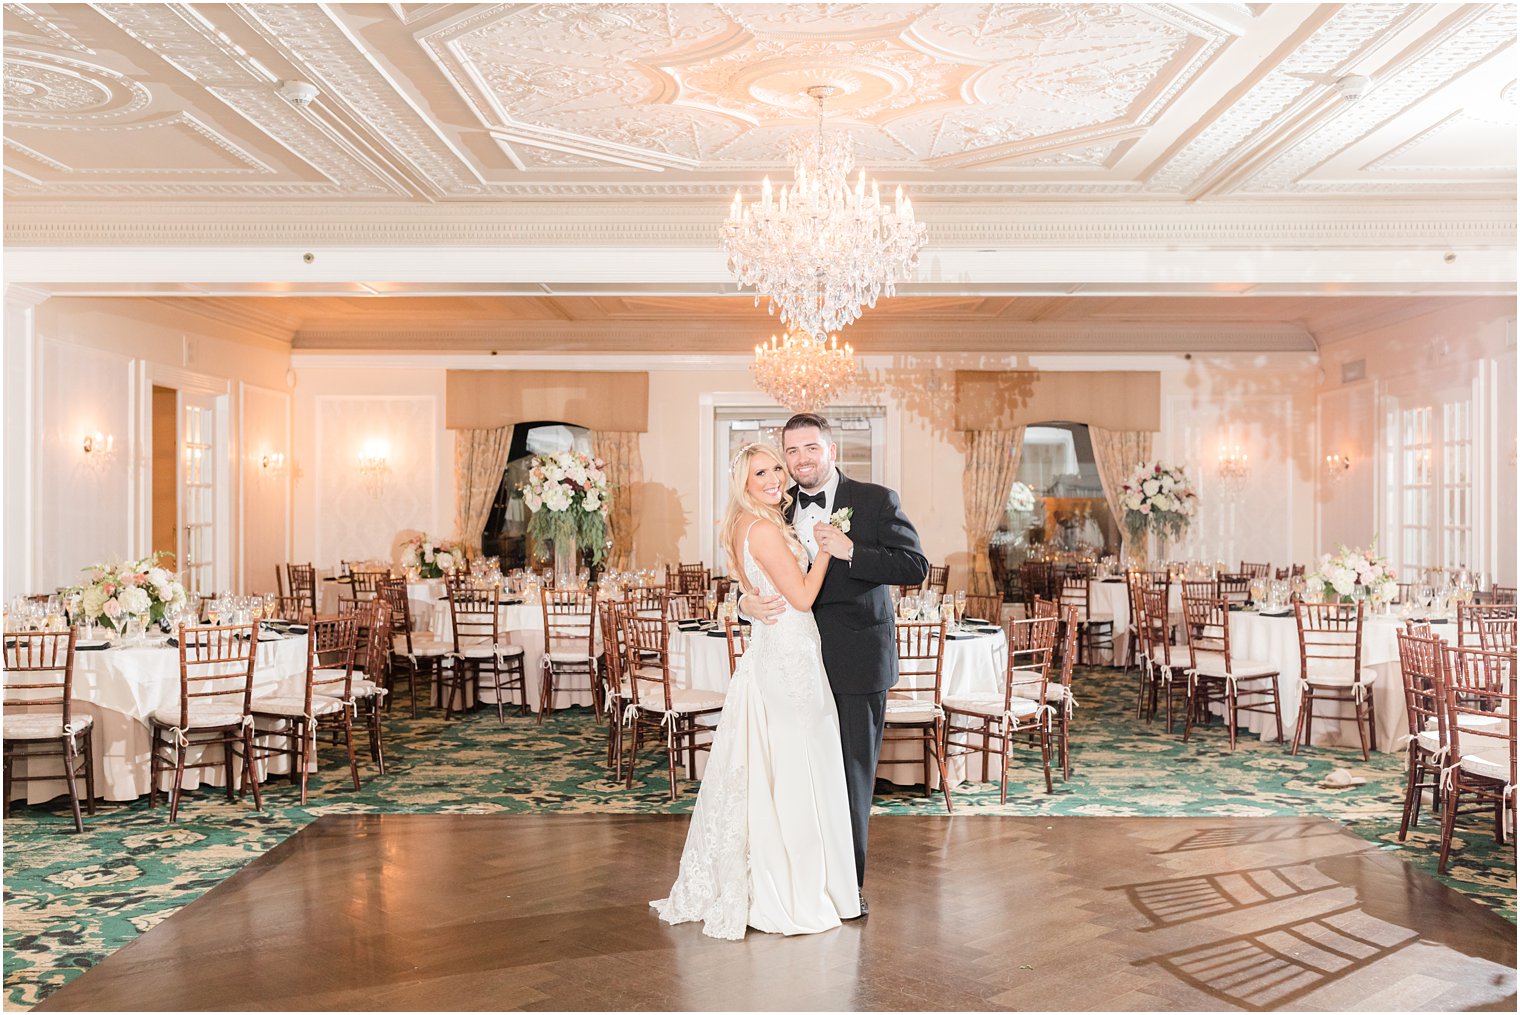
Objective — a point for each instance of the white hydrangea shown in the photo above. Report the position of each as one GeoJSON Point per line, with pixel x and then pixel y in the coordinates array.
{"type": "Point", "coordinates": [134, 600]}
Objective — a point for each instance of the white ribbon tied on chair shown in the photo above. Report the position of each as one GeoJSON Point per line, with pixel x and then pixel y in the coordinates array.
{"type": "Point", "coordinates": [1044, 714]}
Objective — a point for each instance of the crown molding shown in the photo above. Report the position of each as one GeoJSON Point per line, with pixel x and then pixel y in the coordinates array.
{"type": "Point", "coordinates": [718, 336]}
{"type": "Point", "coordinates": [1455, 224]}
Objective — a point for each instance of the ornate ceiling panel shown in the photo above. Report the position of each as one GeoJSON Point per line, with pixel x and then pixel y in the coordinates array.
{"type": "Point", "coordinates": [429, 103]}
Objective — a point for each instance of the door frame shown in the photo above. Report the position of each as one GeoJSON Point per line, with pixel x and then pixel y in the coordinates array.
{"type": "Point", "coordinates": [225, 448]}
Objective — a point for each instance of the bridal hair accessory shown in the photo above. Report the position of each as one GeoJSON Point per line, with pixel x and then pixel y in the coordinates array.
{"type": "Point", "coordinates": [841, 519]}
{"type": "Point", "coordinates": [742, 452]}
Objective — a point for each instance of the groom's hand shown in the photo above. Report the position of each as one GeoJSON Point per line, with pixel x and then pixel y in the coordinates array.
{"type": "Point", "coordinates": [762, 608]}
{"type": "Point", "coordinates": [833, 542]}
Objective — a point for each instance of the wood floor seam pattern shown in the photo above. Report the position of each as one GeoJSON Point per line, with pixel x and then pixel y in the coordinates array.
{"type": "Point", "coordinates": [541, 912]}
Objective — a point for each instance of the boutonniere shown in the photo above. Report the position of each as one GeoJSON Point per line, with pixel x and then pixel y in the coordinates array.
{"type": "Point", "coordinates": [841, 519]}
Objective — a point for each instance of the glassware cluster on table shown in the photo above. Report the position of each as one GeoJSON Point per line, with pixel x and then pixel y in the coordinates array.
{"type": "Point", "coordinates": [930, 606]}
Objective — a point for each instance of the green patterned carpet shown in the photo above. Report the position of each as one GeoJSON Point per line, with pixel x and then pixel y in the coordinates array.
{"type": "Point", "coordinates": [72, 899]}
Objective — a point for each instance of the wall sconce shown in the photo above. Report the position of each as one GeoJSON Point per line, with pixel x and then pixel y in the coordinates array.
{"type": "Point", "coordinates": [272, 463]}
{"type": "Point", "coordinates": [375, 466]}
{"type": "Point", "coordinates": [98, 449]}
{"type": "Point", "coordinates": [1337, 465]}
{"type": "Point", "coordinates": [1234, 467]}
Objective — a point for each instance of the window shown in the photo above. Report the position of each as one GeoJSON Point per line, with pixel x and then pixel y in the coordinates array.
{"type": "Point", "coordinates": [506, 533]}
{"type": "Point", "coordinates": [1430, 503]}
{"type": "Point", "coordinates": [1057, 502]}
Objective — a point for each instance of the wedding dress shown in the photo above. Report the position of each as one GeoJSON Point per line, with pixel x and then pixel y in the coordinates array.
{"type": "Point", "coordinates": [769, 843]}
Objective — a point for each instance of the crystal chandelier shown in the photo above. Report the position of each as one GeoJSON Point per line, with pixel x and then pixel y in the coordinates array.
{"type": "Point", "coordinates": [824, 250]}
{"type": "Point", "coordinates": [1234, 468]}
{"type": "Point", "coordinates": [803, 373]}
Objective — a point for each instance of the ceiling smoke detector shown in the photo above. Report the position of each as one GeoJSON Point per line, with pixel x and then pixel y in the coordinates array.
{"type": "Point", "coordinates": [1353, 86]}
{"type": "Point", "coordinates": [298, 93]}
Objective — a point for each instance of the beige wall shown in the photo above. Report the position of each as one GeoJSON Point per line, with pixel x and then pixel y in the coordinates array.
{"type": "Point", "coordinates": [1470, 346]}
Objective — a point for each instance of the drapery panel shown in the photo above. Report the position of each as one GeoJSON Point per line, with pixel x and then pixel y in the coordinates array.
{"type": "Point", "coordinates": [1116, 454]}
{"type": "Point", "coordinates": [480, 458]}
{"type": "Point", "coordinates": [624, 465]}
{"type": "Point", "coordinates": [992, 464]}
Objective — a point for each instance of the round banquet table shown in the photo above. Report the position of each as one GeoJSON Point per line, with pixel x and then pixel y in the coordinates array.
{"type": "Point", "coordinates": [121, 687]}
{"type": "Point", "coordinates": [1274, 640]}
{"type": "Point", "coordinates": [973, 664]}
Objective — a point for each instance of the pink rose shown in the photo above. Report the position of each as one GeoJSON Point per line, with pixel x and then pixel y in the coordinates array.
{"type": "Point", "coordinates": [110, 588]}
{"type": "Point", "coordinates": [112, 609]}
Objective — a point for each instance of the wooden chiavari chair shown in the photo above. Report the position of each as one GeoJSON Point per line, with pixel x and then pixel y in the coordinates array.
{"type": "Point", "coordinates": [214, 709]}
{"type": "Point", "coordinates": [369, 691]}
{"type": "Point", "coordinates": [1158, 667]}
{"type": "Point", "coordinates": [1215, 673]}
{"type": "Point", "coordinates": [688, 578]}
{"type": "Point", "coordinates": [1205, 588]}
{"type": "Point", "coordinates": [480, 652]}
{"type": "Point", "coordinates": [1234, 589]}
{"type": "Point", "coordinates": [914, 712]}
{"type": "Point", "coordinates": [1094, 630]}
{"type": "Point", "coordinates": [939, 578]}
{"type": "Point", "coordinates": [647, 601]}
{"type": "Point", "coordinates": [657, 705]}
{"type": "Point", "coordinates": [1002, 581]}
{"type": "Point", "coordinates": [1285, 573]}
{"type": "Point", "coordinates": [296, 609]}
{"type": "Point", "coordinates": [301, 580]}
{"type": "Point", "coordinates": [1502, 594]}
{"type": "Point", "coordinates": [569, 646]}
{"type": "Point", "coordinates": [993, 724]}
{"type": "Point", "coordinates": [615, 690]}
{"type": "Point", "coordinates": [988, 608]}
{"type": "Point", "coordinates": [415, 655]}
{"type": "Point", "coordinates": [1474, 621]}
{"type": "Point", "coordinates": [1331, 670]}
{"type": "Point", "coordinates": [1481, 725]}
{"type": "Point", "coordinates": [1060, 696]}
{"type": "Point", "coordinates": [39, 714]}
{"type": "Point", "coordinates": [1255, 570]}
{"type": "Point", "coordinates": [1036, 580]}
{"type": "Point", "coordinates": [322, 705]}
{"type": "Point", "coordinates": [1424, 706]}
{"type": "Point", "coordinates": [686, 606]}
{"type": "Point", "coordinates": [738, 643]}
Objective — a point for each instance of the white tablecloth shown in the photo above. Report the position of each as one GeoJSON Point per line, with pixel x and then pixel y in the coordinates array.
{"type": "Point", "coordinates": [1112, 598]}
{"type": "Point", "coordinates": [122, 687]}
{"type": "Point", "coordinates": [1274, 640]}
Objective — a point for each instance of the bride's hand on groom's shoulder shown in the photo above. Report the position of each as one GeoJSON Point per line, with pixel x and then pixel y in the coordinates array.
{"type": "Point", "coordinates": [762, 608]}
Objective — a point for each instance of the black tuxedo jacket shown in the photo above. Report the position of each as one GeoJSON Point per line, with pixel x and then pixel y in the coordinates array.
{"type": "Point", "coordinates": [854, 608]}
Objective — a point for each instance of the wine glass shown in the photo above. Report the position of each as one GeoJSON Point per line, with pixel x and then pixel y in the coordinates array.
{"type": "Point", "coordinates": [214, 611]}
{"type": "Point", "coordinates": [960, 608]}
{"type": "Point", "coordinates": [711, 601]}
{"type": "Point", "coordinates": [910, 607]}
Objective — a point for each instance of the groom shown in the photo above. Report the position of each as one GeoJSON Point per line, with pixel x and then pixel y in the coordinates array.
{"type": "Point", "coordinates": [853, 608]}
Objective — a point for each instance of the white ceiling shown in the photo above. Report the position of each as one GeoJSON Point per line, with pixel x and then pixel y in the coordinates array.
{"type": "Point", "coordinates": [432, 103]}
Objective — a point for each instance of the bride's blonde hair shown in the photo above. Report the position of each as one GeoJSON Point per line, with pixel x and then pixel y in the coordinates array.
{"type": "Point", "coordinates": [742, 505]}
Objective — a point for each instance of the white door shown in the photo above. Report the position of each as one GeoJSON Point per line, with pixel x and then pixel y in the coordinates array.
{"type": "Point", "coordinates": [197, 494]}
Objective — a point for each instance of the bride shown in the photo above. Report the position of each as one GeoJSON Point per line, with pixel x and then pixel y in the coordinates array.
{"type": "Point", "coordinates": [769, 843]}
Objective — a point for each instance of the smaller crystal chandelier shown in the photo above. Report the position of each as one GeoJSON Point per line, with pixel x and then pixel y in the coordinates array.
{"type": "Point", "coordinates": [1234, 469]}
{"type": "Point", "coordinates": [802, 373]}
{"type": "Point", "coordinates": [822, 250]}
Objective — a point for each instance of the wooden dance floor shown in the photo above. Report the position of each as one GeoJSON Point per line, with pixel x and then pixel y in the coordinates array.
{"type": "Point", "coordinates": [550, 912]}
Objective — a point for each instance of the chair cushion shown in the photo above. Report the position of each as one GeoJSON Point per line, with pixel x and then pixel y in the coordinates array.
{"type": "Point", "coordinates": [571, 657]}
{"type": "Point", "coordinates": [364, 688]}
{"type": "Point", "coordinates": [276, 705]}
{"type": "Point", "coordinates": [1239, 668]}
{"type": "Point", "coordinates": [1488, 767]}
{"type": "Point", "coordinates": [907, 711]}
{"type": "Point", "coordinates": [422, 648]}
{"type": "Point", "coordinates": [1343, 675]}
{"type": "Point", "coordinates": [988, 704]}
{"type": "Point", "coordinates": [1430, 740]}
{"type": "Point", "coordinates": [202, 716]}
{"type": "Point", "coordinates": [682, 699]}
{"type": "Point", "coordinates": [1097, 618]}
{"type": "Point", "coordinates": [42, 725]}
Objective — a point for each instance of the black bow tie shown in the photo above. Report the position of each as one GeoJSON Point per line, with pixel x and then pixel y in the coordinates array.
{"type": "Point", "coordinates": [804, 499]}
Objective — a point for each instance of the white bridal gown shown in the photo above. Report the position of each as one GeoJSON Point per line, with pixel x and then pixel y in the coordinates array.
{"type": "Point", "coordinates": [769, 844]}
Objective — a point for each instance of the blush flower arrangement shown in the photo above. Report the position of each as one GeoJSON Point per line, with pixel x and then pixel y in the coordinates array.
{"type": "Point", "coordinates": [128, 590]}
{"type": "Point", "coordinates": [433, 558]}
{"type": "Point", "coordinates": [569, 497]}
{"type": "Point", "coordinates": [1352, 575]}
{"type": "Point", "coordinates": [1160, 499]}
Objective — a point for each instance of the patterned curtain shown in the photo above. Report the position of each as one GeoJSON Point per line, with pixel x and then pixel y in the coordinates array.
{"type": "Point", "coordinates": [480, 458]}
{"type": "Point", "coordinates": [1116, 454]}
{"type": "Point", "coordinates": [992, 465]}
{"type": "Point", "coordinates": [625, 469]}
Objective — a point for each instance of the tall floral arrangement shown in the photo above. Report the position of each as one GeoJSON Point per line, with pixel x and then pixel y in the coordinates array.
{"type": "Point", "coordinates": [568, 495]}
{"type": "Point", "coordinates": [128, 590]}
{"type": "Point", "coordinates": [1020, 498]}
{"type": "Point", "coordinates": [433, 558]}
{"type": "Point", "coordinates": [1158, 498]}
{"type": "Point", "coordinates": [1353, 575]}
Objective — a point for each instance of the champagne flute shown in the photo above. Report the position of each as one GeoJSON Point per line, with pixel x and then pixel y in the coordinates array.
{"type": "Point", "coordinates": [960, 608]}
{"type": "Point", "coordinates": [214, 611]}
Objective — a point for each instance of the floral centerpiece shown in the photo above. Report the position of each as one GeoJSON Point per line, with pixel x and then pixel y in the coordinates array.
{"type": "Point", "coordinates": [1349, 576]}
{"type": "Point", "coordinates": [432, 558]}
{"type": "Point", "coordinates": [128, 590]}
{"type": "Point", "coordinates": [1020, 499]}
{"type": "Point", "coordinates": [1160, 499]}
{"type": "Point", "coordinates": [567, 493]}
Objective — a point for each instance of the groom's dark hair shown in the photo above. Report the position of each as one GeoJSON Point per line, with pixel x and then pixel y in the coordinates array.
{"type": "Point", "coordinates": [806, 419]}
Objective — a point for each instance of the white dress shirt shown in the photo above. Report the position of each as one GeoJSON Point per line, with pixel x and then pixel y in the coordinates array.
{"type": "Point", "coordinates": [805, 517]}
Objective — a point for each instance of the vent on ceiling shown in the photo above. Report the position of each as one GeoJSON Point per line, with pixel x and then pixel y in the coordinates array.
{"type": "Point", "coordinates": [1353, 371]}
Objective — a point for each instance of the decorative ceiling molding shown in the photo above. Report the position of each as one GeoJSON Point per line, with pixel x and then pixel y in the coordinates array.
{"type": "Point", "coordinates": [1457, 224]}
